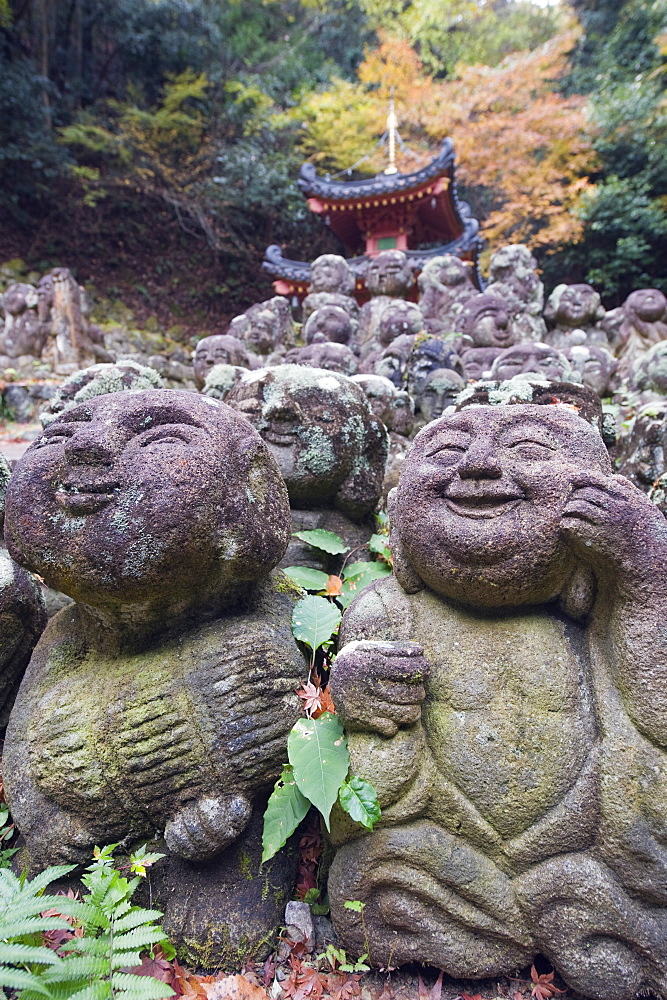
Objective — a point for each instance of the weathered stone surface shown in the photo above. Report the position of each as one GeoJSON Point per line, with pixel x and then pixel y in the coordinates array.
{"type": "Point", "coordinates": [574, 313]}
{"type": "Point", "coordinates": [220, 379]}
{"type": "Point", "coordinates": [266, 329]}
{"type": "Point", "coordinates": [330, 323]}
{"type": "Point", "coordinates": [513, 277]}
{"type": "Point", "coordinates": [595, 366]}
{"type": "Point", "coordinates": [485, 320]}
{"type": "Point", "coordinates": [161, 700]}
{"type": "Point", "coordinates": [643, 323]}
{"type": "Point", "coordinates": [22, 615]}
{"type": "Point", "coordinates": [220, 349]}
{"type": "Point", "coordinates": [332, 283]}
{"type": "Point", "coordinates": [505, 693]}
{"type": "Point", "coordinates": [331, 356]}
{"type": "Point", "coordinates": [98, 380]}
{"type": "Point", "coordinates": [319, 427]}
{"type": "Point", "coordinates": [439, 390]}
{"type": "Point", "coordinates": [381, 394]}
{"type": "Point", "coordinates": [478, 361]}
{"type": "Point", "coordinates": [640, 450]}
{"type": "Point", "coordinates": [445, 284]}
{"type": "Point", "coordinates": [23, 333]}
{"type": "Point", "coordinates": [388, 276]}
{"type": "Point", "coordinates": [536, 359]}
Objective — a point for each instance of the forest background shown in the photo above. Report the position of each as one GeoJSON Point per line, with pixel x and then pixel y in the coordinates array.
{"type": "Point", "coordinates": [153, 145]}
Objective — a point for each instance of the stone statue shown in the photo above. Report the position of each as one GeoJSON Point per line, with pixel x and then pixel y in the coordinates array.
{"type": "Point", "coordinates": [427, 355]}
{"type": "Point", "coordinates": [72, 342]}
{"type": "Point", "coordinates": [640, 449]}
{"type": "Point", "coordinates": [399, 319]}
{"type": "Point", "coordinates": [439, 390]}
{"type": "Point", "coordinates": [534, 358]}
{"type": "Point", "coordinates": [644, 323]}
{"type": "Point", "coordinates": [334, 357]}
{"type": "Point", "coordinates": [98, 380]}
{"type": "Point", "coordinates": [23, 333]}
{"type": "Point", "coordinates": [22, 615]}
{"type": "Point", "coordinates": [381, 393]}
{"type": "Point", "coordinates": [266, 329]}
{"type": "Point", "coordinates": [505, 692]}
{"type": "Point", "coordinates": [446, 285]}
{"type": "Point", "coordinates": [330, 447]}
{"type": "Point", "coordinates": [220, 349]}
{"type": "Point", "coordinates": [648, 378]}
{"type": "Point", "coordinates": [513, 278]}
{"type": "Point", "coordinates": [388, 276]}
{"type": "Point", "coordinates": [485, 320]}
{"type": "Point", "coordinates": [595, 366]}
{"type": "Point", "coordinates": [160, 701]}
{"type": "Point", "coordinates": [332, 283]}
{"type": "Point", "coordinates": [478, 361]}
{"type": "Point", "coordinates": [220, 379]}
{"type": "Point", "coordinates": [574, 313]}
{"type": "Point", "coordinates": [396, 409]}
{"type": "Point", "coordinates": [394, 360]}
{"type": "Point", "coordinates": [330, 323]}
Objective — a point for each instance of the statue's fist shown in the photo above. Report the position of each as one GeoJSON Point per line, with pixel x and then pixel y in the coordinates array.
{"type": "Point", "coordinates": [379, 686]}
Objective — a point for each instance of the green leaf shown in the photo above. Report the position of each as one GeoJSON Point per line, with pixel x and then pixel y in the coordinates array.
{"type": "Point", "coordinates": [309, 579]}
{"type": "Point", "coordinates": [284, 811]}
{"type": "Point", "coordinates": [20, 979]}
{"type": "Point", "coordinates": [354, 904]}
{"type": "Point", "coordinates": [327, 541]}
{"type": "Point", "coordinates": [317, 750]}
{"type": "Point", "coordinates": [359, 800]}
{"type": "Point", "coordinates": [378, 544]}
{"type": "Point", "coordinates": [314, 621]}
{"type": "Point", "coordinates": [357, 576]}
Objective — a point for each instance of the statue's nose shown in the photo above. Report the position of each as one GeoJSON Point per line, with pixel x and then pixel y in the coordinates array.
{"type": "Point", "coordinates": [90, 447]}
{"type": "Point", "coordinates": [480, 462]}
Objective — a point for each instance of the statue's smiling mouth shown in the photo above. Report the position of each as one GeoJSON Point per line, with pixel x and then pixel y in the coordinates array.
{"type": "Point", "coordinates": [85, 498]}
{"type": "Point", "coordinates": [487, 504]}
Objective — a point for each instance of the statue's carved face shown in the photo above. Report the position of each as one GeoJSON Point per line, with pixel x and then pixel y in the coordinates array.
{"type": "Point", "coordinates": [263, 333]}
{"type": "Point", "coordinates": [427, 356]}
{"type": "Point", "coordinates": [578, 305]}
{"type": "Point", "coordinates": [220, 349]}
{"type": "Point", "coordinates": [398, 320]}
{"type": "Point", "coordinates": [439, 391]}
{"type": "Point", "coordinates": [329, 274]}
{"type": "Point", "coordinates": [134, 498]}
{"type": "Point", "coordinates": [403, 414]}
{"type": "Point", "coordinates": [648, 304]}
{"type": "Point", "coordinates": [486, 320]}
{"type": "Point", "coordinates": [329, 324]}
{"type": "Point", "coordinates": [538, 358]}
{"type": "Point", "coordinates": [317, 424]}
{"type": "Point", "coordinates": [594, 365]}
{"type": "Point", "coordinates": [389, 274]}
{"type": "Point", "coordinates": [449, 270]}
{"type": "Point", "coordinates": [480, 501]}
{"type": "Point", "coordinates": [380, 393]}
{"type": "Point", "coordinates": [477, 361]}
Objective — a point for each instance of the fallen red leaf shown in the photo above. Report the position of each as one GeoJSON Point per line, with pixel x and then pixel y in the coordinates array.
{"type": "Point", "coordinates": [543, 988]}
{"type": "Point", "coordinates": [334, 586]}
{"type": "Point", "coordinates": [155, 966]}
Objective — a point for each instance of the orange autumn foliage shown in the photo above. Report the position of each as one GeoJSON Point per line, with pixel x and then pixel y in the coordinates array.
{"type": "Point", "coordinates": [524, 148]}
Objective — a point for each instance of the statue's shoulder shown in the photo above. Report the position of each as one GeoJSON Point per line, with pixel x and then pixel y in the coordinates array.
{"type": "Point", "coordinates": [382, 611]}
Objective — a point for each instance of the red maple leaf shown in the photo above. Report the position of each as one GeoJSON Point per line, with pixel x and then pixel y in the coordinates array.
{"type": "Point", "coordinates": [543, 988]}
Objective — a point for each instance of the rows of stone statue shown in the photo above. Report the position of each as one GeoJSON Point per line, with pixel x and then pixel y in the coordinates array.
{"type": "Point", "coordinates": [504, 690]}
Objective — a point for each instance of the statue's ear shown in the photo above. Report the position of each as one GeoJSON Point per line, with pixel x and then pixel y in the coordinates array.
{"type": "Point", "coordinates": [403, 571]}
{"type": "Point", "coordinates": [578, 595]}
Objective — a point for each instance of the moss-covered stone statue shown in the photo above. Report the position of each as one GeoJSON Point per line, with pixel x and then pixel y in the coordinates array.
{"type": "Point", "coordinates": [99, 380]}
{"type": "Point", "coordinates": [219, 349]}
{"type": "Point", "coordinates": [574, 314]}
{"type": "Point", "coordinates": [329, 445]}
{"type": "Point", "coordinates": [159, 704]}
{"type": "Point", "coordinates": [533, 359]}
{"type": "Point", "coordinates": [506, 693]}
{"type": "Point", "coordinates": [332, 283]}
{"type": "Point", "coordinates": [22, 615]}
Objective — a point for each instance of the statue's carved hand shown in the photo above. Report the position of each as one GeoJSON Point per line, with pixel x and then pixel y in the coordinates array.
{"type": "Point", "coordinates": [379, 686]}
{"type": "Point", "coordinates": [609, 518]}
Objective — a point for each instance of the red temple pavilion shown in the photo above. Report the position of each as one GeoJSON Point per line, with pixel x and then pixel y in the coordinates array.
{"type": "Point", "coordinates": [389, 211]}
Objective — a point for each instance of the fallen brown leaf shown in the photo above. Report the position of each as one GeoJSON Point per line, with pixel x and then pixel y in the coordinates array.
{"type": "Point", "coordinates": [234, 988]}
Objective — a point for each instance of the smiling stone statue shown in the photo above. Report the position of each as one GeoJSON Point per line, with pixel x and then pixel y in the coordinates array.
{"type": "Point", "coordinates": [161, 701]}
{"type": "Point", "coordinates": [505, 693]}
{"type": "Point", "coordinates": [329, 445]}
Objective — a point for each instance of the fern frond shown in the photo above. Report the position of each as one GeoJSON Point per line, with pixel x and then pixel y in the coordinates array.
{"type": "Point", "coordinates": [135, 918]}
{"type": "Point", "coordinates": [131, 987]}
{"type": "Point", "coordinates": [140, 937]}
{"type": "Point", "coordinates": [77, 967]}
{"type": "Point", "coordinates": [18, 979]}
{"type": "Point", "coordinates": [19, 954]}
